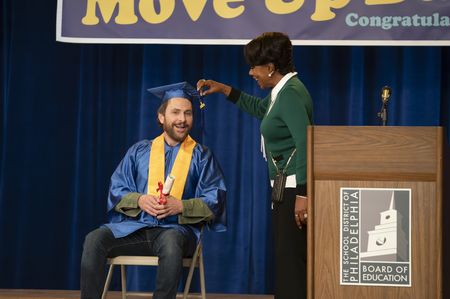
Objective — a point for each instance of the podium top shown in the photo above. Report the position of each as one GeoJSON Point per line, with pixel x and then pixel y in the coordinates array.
{"type": "Point", "coordinates": [375, 153]}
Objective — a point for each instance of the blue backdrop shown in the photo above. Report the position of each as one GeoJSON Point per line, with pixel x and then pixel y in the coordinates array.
{"type": "Point", "coordinates": [68, 112]}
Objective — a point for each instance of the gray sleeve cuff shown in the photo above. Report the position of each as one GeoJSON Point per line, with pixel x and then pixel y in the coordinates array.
{"type": "Point", "coordinates": [195, 211]}
{"type": "Point", "coordinates": [128, 205]}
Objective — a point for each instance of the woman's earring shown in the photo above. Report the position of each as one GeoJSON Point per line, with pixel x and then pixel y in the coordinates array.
{"type": "Point", "coordinates": [270, 74]}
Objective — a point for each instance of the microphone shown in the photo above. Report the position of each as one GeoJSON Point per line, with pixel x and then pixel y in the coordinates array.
{"type": "Point", "coordinates": [385, 94]}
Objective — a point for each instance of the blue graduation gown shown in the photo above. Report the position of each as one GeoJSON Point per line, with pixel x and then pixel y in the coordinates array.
{"type": "Point", "coordinates": [204, 180]}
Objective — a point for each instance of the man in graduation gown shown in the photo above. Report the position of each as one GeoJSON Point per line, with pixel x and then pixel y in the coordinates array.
{"type": "Point", "coordinates": [140, 222]}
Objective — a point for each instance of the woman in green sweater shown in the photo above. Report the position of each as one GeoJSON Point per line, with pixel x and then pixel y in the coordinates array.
{"type": "Point", "coordinates": [285, 114]}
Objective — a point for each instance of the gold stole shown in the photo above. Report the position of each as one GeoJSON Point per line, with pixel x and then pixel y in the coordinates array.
{"type": "Point", "coordinates": [179, 170]}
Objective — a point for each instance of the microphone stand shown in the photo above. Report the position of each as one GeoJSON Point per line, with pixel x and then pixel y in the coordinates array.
{"type": "Point", "coordinates": [383, 113]}
{"type": "Point", "coordinates": [385, 94]}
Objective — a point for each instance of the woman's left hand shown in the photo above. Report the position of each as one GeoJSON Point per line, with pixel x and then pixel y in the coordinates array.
{"type": "Point", "coordinates": [301, 210]}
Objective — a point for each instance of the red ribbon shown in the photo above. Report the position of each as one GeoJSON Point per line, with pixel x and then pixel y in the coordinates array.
{"type": "Point", "coordinates": [162, 197]}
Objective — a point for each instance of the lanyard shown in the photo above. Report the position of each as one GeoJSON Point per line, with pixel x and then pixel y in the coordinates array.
{"type": "Point", "coordinates": [287, 163]}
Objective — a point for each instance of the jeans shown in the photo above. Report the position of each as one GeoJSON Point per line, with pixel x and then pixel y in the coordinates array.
{"type": "Point", "coordinates": [170, 245]}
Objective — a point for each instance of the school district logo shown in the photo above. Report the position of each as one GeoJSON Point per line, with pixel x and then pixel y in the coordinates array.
{"type": "Point", "coordinates": [375, 237]}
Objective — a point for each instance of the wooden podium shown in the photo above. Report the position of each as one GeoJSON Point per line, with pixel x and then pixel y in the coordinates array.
{"type": "Point", "coordinates": [373, 160]}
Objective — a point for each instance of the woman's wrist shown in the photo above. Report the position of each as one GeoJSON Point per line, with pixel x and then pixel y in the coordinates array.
{"type": "Point", "coordinates": [301, 190]}
{"type": "Point", "coordinates": [226, 90]}
{"type": "Point", "coordinates": [233, 95]}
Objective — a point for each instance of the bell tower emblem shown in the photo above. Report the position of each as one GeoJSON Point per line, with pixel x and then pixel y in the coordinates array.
{"type": "Point", "coordinates": [387, 241]}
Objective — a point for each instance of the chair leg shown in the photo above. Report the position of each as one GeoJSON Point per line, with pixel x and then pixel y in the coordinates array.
{"type": "Point", "coordinates": [108, 281]}
{"type": "Point", "coordinates": [187, 286]}
{"type": "Point", "coordinates": [123, 276]}
{"type": "Point", "coordinates": [189, 278]}
{"type": "Point", "coordinates": [202, 276]}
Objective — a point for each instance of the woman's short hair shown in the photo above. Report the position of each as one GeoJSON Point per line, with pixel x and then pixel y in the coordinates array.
{"type": "Point", "coordinates": [271, 47]}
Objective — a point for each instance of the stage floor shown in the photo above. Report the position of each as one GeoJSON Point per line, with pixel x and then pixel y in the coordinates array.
{"type": "Point", "coordinates": [62, 294]}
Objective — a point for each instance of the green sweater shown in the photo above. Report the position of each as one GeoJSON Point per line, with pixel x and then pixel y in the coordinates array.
{"type": "Point", "coordinates": [284, 127]}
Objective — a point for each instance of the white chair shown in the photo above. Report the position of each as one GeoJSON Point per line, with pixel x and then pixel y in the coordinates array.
{"type": "Point", "coordinates": [195, 261]}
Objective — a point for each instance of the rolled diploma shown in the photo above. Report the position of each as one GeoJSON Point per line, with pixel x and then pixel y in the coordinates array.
{"type": "Point", "coordinates": [168, 184]}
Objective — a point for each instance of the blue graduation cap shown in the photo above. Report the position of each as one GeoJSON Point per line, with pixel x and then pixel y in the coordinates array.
{"type": "Point", "coordinates": [177, 90]}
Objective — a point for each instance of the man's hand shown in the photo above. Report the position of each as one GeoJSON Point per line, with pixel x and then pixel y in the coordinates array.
{"type": "Point", "coordinates": [173, 206]}
{"type": "Point", "coordinates": [301, 209]}
{"type": "Point", "coordinates": [149, 204]}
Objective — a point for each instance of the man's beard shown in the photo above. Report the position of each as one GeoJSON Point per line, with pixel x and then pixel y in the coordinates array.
{"type": "Point", "coordinates": [170, 130]}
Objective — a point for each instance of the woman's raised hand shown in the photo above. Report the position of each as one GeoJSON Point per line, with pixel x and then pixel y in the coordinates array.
{"type": "Point", "coordinates": [207, 87]}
